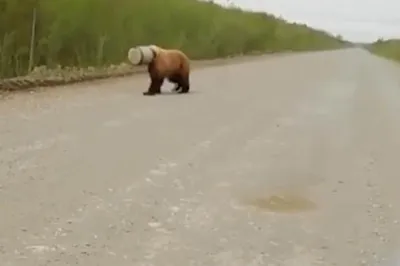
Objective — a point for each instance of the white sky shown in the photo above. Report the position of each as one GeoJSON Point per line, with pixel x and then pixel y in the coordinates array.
{"type": "Point", "coordinates": [355, 20]}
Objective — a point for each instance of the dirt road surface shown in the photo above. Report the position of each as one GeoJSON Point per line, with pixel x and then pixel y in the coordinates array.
{"type": "Point", "coordinates": [288, 160]}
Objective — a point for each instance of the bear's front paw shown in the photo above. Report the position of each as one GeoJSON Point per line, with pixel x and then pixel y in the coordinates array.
{"type": "Point", "coordinates": [148, 93]}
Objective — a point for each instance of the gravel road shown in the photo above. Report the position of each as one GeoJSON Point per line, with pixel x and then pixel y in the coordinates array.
{"type": "Point", "coordinates": [290, 160]}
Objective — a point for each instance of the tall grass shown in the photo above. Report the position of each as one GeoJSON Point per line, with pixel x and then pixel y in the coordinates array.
{"type": "Point", "coordinates": [386, 48]}
{"type": "Point", "coordinates": [99, 32]}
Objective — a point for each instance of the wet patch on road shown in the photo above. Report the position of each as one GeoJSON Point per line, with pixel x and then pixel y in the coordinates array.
{"type": "Point", "coordinates": [282, 203]}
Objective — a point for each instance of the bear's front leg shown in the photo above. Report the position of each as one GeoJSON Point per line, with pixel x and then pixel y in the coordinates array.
{"type": "Point", "coordinates": [155, 87]}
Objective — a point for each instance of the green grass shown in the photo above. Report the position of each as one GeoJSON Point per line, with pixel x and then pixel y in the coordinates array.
{"type": "Point", "coordinates": [386, 48]}
{"type": "Point", "coordinates": [99, 32]}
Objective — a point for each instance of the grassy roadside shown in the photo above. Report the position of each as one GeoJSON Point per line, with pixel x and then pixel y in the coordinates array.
{"type": "Point", "coordinates": [44, 77]}
{"type": "Point", "coordinates": [389, 49]}
{"type": "Point", "coordinates": [88, 36]}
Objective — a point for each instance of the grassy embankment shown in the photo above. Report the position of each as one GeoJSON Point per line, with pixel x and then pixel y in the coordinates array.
{"type": "Point", "coordinates": [98, 33]}
{"type": "Point", "coordinates": [389, 49]}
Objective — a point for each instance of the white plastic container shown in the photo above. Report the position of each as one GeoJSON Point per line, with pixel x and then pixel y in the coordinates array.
{"type": "Point", "coordinates": [141, 55]}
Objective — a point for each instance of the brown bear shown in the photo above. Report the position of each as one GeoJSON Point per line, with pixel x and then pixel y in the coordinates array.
{"type": "Point", "coordinates": [171, 64]}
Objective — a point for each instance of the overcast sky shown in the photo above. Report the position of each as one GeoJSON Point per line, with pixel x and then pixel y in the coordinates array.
{"type": "Point", "coordinates": [355, 20]}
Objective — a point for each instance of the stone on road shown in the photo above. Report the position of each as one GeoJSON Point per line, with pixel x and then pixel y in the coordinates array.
{"type": "Point", "coordinates": [290, 160]}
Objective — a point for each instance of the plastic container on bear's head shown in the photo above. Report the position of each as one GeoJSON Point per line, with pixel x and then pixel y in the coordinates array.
{"type": "Point", "coordinates": [141, 55]}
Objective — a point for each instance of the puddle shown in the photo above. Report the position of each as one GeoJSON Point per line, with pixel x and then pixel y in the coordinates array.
{"type": "Point", "coordinates": [283, 203]}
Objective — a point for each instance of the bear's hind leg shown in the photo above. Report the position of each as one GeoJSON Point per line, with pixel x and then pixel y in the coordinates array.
{"type": "Point", "coordinates": [177, 87]}
{"type": "Point", "coordinates": [176, 80]}
{"type": "Point", "coordinates": [185, 85]}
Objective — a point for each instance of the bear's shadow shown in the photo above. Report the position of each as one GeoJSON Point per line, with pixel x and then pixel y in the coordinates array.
{"type": "Point", "coordinates": [171, 93]}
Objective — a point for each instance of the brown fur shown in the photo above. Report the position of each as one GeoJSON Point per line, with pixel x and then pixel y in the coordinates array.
{"type": "Point", "coordinates": [171, 64]}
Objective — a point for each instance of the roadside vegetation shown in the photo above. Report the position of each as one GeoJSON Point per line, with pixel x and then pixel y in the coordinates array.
{"type": "Point", "coordinates": [389, 49]}
{"type": "Point", "coordinates": [96, 33]}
